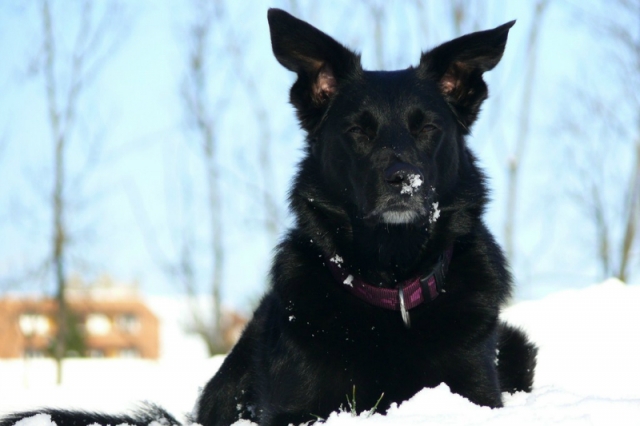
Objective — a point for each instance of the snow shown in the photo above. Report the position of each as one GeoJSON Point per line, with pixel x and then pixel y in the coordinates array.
{"type": "Point", "coordinates": [348, 281]}
{"type": "Point", "coordinates": [338, 260]}
{"type": "Point", "coordinates": [435, 213]}
{"type": "Point", "coordinates": [587, 374]}
{"type": "Point", "coordinates": [545, 407]}
{"type": "Point", "coordinates": [37, 420]}
{"type": "Point", "coordinates": [415, 182]}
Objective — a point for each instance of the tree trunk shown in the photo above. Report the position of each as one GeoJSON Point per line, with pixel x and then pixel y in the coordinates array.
{"type": "Point", "coordinates": [633, 217]}
{"type": "Point", "coordinates": [515, 161]}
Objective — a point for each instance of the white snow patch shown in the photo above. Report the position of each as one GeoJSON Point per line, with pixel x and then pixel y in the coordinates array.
{"type": "Point", "coordinates": [415, 182]}
{"type": "Point", "coordinates": [292, 317]}
{"type": "Point", "coordinates": [348, 281]}
{"type": "Point", "coordinates": [37, 420]}
{"type": "Point", "coordinates": [435, 213]}
{"type": "Point", "coordinates": [438, 406]}
{"type": "Point", "coordinates": [337, 260]}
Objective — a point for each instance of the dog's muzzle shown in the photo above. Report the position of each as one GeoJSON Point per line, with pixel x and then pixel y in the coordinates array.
{"type": "Point", "coordinates": [401, 202]}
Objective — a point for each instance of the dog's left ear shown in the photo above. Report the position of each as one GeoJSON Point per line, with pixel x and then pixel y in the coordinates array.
{"type": "Point", "coordinates": [458, 66]}
{"type": "Point", "coordinates": [320, 62]}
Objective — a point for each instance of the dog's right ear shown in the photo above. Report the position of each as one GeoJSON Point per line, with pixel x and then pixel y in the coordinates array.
{"type": "Point", "coordinates": [320, 62]}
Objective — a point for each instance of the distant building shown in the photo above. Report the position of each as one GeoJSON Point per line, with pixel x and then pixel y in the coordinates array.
{"type": "Point", "coordinates": [113, 319]}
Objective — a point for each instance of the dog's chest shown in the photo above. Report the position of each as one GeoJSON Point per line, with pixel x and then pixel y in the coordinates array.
{"type": "Point", "coordinates": [369, 349]}
{"type": "Point", "coordinates": [372, 361]}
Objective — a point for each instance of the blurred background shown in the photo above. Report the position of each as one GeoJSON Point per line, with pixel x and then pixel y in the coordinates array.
{"type": "Point", "coordinates": [146, 149]}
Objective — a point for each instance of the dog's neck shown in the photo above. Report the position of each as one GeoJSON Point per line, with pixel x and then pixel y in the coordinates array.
{"type": "Point", "coordinates": [386, 254]}
{"type": "Point", "coordinates": [389, 254]}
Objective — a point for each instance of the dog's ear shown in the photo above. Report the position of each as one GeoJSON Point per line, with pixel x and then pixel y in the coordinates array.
{"type": "Point", "coordinates": [458, 66]}
{"type": "Point", "coordinates": [320, 62]}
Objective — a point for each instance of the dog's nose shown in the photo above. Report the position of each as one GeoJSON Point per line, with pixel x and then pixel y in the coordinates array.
{"type": "Point", "coordinates": [403, 174]}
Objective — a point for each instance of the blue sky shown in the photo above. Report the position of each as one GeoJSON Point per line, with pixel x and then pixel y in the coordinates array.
{"type": "Point", "coordinates": [129, 211]}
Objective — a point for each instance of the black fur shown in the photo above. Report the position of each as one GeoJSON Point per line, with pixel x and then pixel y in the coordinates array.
{"type": "Point", "coordinates": [371, 135]}
{"type": "Point", "coordinates": [143, 416]}
{"type": "Point", "coordinates": [516, 360]}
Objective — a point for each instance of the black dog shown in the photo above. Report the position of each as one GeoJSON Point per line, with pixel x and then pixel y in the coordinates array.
{"type": "Point", "coordinates": [389, 281]}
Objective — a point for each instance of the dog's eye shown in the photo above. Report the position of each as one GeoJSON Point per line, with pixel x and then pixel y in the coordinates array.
{"type": "Point", "coordinates": [358, 132]}
{"type": "Point", "coordinates": [428, 128]}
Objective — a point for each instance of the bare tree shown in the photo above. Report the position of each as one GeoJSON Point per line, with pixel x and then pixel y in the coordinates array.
{"type": "Point", "coordinates": [517, 154]}
{"type": "Point", "coordinates": [606, 165]}
{"type": "Point", "coordinates": [201, 113]}
{"type": "Point", "coordinates": [3, 145]}
{"type": "Point", "coordinates": [377, 11]}
{"type": "Point", "coordinates": [213, 48]}
{"type": "Point", "coordinates": [265, 192]}
{"type": "Point", "coordinates": [468, 16]}
{"type": "Point", "coordinates": [65, 79]}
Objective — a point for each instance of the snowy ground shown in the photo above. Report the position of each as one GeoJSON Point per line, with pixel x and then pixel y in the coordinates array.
{"type": "Point", "coordinates": [588, 371]}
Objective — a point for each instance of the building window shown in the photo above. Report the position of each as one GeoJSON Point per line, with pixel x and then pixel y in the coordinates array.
{"type": "Point", "coordinates": [33, 353]}
{"type": "Point", "coordinates": [129, 353]}
{"type": "Point", "coordinates": [95, 353]}
{"type": "Point", "coordinates": [34, 324]}
{"type": "Point", "coordinates": [98, 324]}
{"type": "Point", "coordinates": [128, 323]}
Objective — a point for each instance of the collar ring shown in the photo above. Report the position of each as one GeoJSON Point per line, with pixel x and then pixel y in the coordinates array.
{"type": "Point", "coordinates": [403, 309]}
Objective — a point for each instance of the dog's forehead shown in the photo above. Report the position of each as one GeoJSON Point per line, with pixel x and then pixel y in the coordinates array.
{"type": "Point", "coordinates": [395, 91]}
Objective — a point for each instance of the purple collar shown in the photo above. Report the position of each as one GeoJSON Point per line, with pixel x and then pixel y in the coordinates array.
{"type": "Point", "coordinates": [407, 295]}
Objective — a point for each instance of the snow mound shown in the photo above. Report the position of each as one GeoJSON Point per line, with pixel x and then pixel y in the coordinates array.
{"type": "Point", "coordinates": [37, 420]}
{"type": "Point", "coordinates": [587, 374]}
{"type": "Point", "coordinates": [589, 340]}
{"type": "Point", "coordinates": [545, 406]}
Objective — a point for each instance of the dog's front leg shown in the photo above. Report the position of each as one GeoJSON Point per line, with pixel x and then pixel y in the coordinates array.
{"type": "Point", "coordinates": [289, 395]}
{"type": "Point", "coordinates": [230, 395]}
{"type": "Point", "coordinates": [476, 378]}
